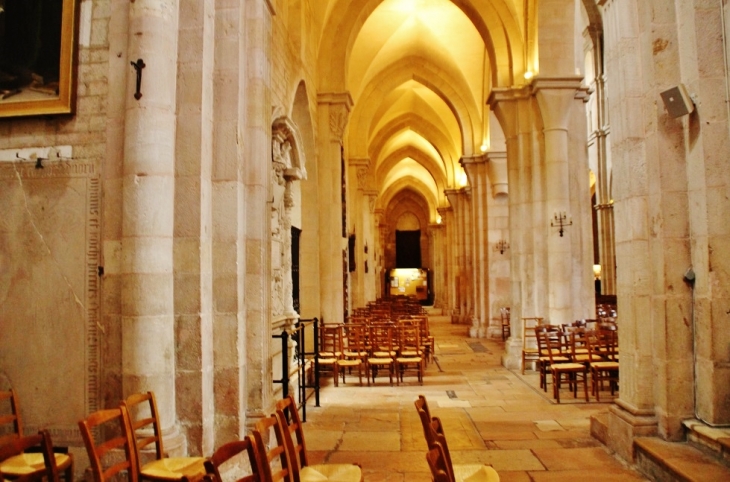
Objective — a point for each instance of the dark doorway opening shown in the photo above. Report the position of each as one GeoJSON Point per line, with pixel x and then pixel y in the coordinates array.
{"type": "Point", "coordinates": [408, 249]}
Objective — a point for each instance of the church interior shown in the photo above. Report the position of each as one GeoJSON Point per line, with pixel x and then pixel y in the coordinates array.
{"type": "Point", "coordinates": [184, 181]}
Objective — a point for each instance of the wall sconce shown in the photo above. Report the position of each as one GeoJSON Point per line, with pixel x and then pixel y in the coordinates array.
{"type": "Point", "coordinates": [501, 246]}
{"type": "Point", "coordinates": [561, 220]}
{"type": "Point", "coordinates": [597, 271]}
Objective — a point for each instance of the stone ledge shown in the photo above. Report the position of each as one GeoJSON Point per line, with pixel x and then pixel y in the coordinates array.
{"type": "Point", "coordinates": [599, 427]}
{"type": "Point", "coordinates": [712, 440]}
{"type": "Point", "coordinates": [673, 461]}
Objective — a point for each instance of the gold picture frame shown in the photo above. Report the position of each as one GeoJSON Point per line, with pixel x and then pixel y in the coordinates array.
{"type": "Point", "coordinates": [38, 50]}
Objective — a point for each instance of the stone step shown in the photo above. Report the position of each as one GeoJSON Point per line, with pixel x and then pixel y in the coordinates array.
{"type": "Point", "coordinates": [676, 461]}
{"type": "Point", "coordinates": [599, 427]}
{"type": "Point", "coordinates": [712, 440]}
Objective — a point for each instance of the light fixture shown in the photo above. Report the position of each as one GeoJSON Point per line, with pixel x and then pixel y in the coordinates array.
{"type": "Point", "coordinates": [501, 246]}
{"type": "Point", "coordinates": [529, 74]}
{"type": "Point", "coordinates": [561, 220]}
{"type": "Point", "coordinates": [438, 219]}
{"type": "Point", "coordinates": [484, 147]}
{"type": "Point", "coordinates": [596, 271]}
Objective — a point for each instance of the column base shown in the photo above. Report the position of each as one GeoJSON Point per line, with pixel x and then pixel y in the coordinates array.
{"type": "Point", "coordinates": [625, 423]}
{"type": "Point", "coordinates": [512, 356]}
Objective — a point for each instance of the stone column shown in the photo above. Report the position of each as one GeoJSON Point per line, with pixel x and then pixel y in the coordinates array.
{"type": "Point", "coordinates": [512, 108]}
{"type": "Point", "coordinates": [557, 99]}
{"type": "Point", "coordinates": [148, 187]}
{"type": "Point", "coordinates": [633, 413]}
{"type": "Point", "coordinates": [438, 249]}
{"type": "Point", "coordinates": [193, 225]}
{"type": "Point", "coordinates": [498, 231]}
{"type": "Point", "coordinates": [372, 281]}
{"type": "Point", "coordinates": [228, 223]}
{"type": "Point", "coordinates": [378, 252]}
{"type": "Point", "coordinates": [358, 174]}
{"type": "Point", "coordinates": [449, 262]}
{"type": "Point", "coordinates": [333, 110]}
{"type": "Point", "coordinates": [256, 191]}
{"type": "Point", "coordinates": [457, 238]}
{"type": "Point", "coordinates": [476, 169]}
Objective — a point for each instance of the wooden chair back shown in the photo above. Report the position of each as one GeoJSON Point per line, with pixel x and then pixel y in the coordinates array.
{"type": "Point", "coordinates": [276, 456]}
{"type": "Point", "coordinates": [231, 450]}
{"type": "Point", "coordinates": [11, 425]}
{"type": "Point", "coordinates": [115, 439]}
{"type": "Point", "coordinates": [437, 463]}
{"type": "Point", "coordinates": [291, 425]}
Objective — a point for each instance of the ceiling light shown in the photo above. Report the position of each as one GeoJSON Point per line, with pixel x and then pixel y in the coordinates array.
{"type": "Point", "coordinates": [529, 74]}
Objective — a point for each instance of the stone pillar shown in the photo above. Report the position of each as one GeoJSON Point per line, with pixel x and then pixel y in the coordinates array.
{"type": "Point", "coordinates": [438, 250]}
{"type": "Point", "coordinates": [633, 413]}
{"type": "Point", "coordinates": [256, 191]}
{"type": "Point", "coordinates": [513, 110]}
{"type": "Point", "coordinates": [498, 231]}
{"type": "Point", "coordinates": [476, 169]}
{"type": "Point", "coordinates": [372, 281]}
{"type": "Point", "coordinates": [450, 263]}
{"type": "Point", "coordinates": [565, 258]}
{"type": "Point", "coordinates": [228, 224]}
{"type": "Point", "coordinates": [193, 225]}
{"type": "Point", "coordinates": [148, 187]}
{"type": "Point", "coordinates": [358, 175]}
{"type": "Point", "coordinates": [333, 110]}
{"type": "Point", "coordinates": [459, 268]}
{"type": "Point", "coordinates": [378, 249]}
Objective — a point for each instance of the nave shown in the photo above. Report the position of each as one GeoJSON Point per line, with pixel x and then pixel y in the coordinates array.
{"type": "Point", "coordinates": [491, 415]}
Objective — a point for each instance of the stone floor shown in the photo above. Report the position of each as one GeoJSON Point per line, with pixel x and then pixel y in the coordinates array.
{"type": "Point", "coordinates": [490, 414]}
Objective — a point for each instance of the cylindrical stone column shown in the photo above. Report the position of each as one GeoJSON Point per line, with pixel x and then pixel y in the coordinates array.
{"type": "Point", "coordinates": [148, 339]}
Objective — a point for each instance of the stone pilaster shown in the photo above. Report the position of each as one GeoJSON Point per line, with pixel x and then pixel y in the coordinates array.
{"type": "Point", "coordinates": [476, 170]}
{"type": "Point", "coordinates": [333, 111]}
{"type": "Point", "coordinates": [359, 180]}
{"type": "Point", "coordinates": [449, 260]}
{"type": "Point", "coordinates": [459, 278]}
{"type": "Point", "coordinates": [148, 337]}
{"type": "Point", "coordinates": [498, 232]}
{"type": "Point", "coordinates": [257, 191]}
{"type": "Point", "coordinates": [568, 254]}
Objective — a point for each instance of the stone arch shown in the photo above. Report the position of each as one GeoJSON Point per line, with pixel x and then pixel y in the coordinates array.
{"type": "Point", "coordinates": [497, 22]}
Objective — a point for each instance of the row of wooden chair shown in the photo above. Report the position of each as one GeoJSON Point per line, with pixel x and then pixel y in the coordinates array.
{"type": "Point", "coordinates": [439, 457]}
{"type": "Point", "coordinates": [28, 458]}
{"type": "Point", "coordinates": [392, 347]}
{"type": "Point", "coordinates": [572, 354]}
{"type": "Point", "coordinates": [109, 433]}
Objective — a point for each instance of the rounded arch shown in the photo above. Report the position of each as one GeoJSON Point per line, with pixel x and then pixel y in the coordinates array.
{"type": "Point", "coordinates": [411, 184]}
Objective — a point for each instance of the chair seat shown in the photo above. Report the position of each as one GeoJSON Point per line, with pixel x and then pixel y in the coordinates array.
{"type": "Point", "coordinates": [354, 354]}
{"type": "Point", "coordinates": [475, 473]}
{"type": "Point", "coordinates": [331, 473]}
{"type": "Point", "coordinates": [558, 359]}
{"type": "Point", "coordinates": [328, 361]}
{"type": "Point", "coordinates": [329, 354]}
{"type": "Point", "coordinates": [349, 363]}
{"type": "Point", "coordinates": [384, 354]}
{"type": "Point", "coordinates": [174, 467]}
{"type": "Point", "coordinates": [567, 366]}
{"type": "Point", "coordinates": [529, 350]}
{"type": "Point", "coordinates": [409, 359]}
{"type": "Point", "coordinates": [605, 365]}
{"type": "Point", "coordinates": [28, 463]}
{"type": "Point", "coordinates": [587, 358]}
{"type": "Point", "coordinates": [379, 360]}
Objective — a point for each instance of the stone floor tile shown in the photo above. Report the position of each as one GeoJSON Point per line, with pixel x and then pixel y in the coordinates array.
{"type": "Point", "coordinates": [499, 459]}
{"type": "Point", "coordinates": [581, 476]}
{"type": "Point", "coordinates": [370, 441]}
{"type": "Point", "coordinates": [576, 459]}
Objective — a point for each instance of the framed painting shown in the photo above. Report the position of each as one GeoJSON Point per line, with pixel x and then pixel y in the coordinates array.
{"type": "Point", "coordinates": [38, 43]}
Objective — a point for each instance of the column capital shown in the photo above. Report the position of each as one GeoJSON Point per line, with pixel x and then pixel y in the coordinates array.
{"type": "Point", "coordinates": [340, 104]}
{"type": "Point", "coordinates": [555, 96]}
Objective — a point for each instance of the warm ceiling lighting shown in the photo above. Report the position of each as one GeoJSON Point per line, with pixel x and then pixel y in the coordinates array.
{"type": "Point", "coordinates": [529, 74]}
{"type": "Point", "coordinates": [407, 6]}
{"type": "Point", "coordinates": [438, 220]}
{"type": "Point", "coordinates": [484, 147]}
{"type": "Point", "coordinates": [463, 179]}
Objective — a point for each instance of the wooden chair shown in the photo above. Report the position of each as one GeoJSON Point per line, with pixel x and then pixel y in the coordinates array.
{"type": "Point", "coordinates": [504, 315]}
{"type": "Point", "coordinates": [604, 370]}
{"type": "Point", "coordinates": [542, 332]}
{"type": "Point", "coordinates": [529, 342]}
{"type": "Point", "coordinates": [410, 353]}
{"type": "Point", "coordinates": [383, 354]}
{"type": "Point", "coordinates": [436, 460]}
{"type": "Point", "coordinates": [11, 428]}
{"type": "Point", "coordinates": [143, 424]}
{"type": "Point", "coordinates": [573, 373]}
{"type": "Point", "coordinates": [227, 452]}
{"type": "Point", "coordinates": [330, 348]}
{"type": "Point", "coordinates": [291, 428]}
{"type": "Point", "coordinates": [354, 353]}
{"type": "Point", "coordinates": [15, 455]}
{"type": "Point", "coordinates": [433, 432]}
{"type": "Point", "coordinates": [111, 455]}
{"type": "Point", "coordinates": [276, 461]}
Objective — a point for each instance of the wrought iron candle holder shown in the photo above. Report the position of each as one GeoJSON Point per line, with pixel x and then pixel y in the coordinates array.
{"type": "Point", "coordinates": [561, 220]}
{"type": "Point", "coordinates": [501, 246]}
